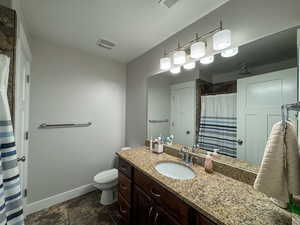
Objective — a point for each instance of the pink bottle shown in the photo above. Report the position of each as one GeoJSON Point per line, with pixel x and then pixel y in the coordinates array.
{"type": "Point", "coordinates": [208, 164]}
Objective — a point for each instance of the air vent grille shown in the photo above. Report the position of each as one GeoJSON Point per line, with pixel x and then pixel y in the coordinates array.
{"type": "Point", "coordinates": [105, 44]}
{"type": "Point", "coordinates": [168, 3]}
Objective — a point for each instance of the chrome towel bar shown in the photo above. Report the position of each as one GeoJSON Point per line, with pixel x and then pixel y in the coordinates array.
{"type": "Point", "coordinates": [159, 121]}
{"type": "Point", "coordinates": [64, 125]}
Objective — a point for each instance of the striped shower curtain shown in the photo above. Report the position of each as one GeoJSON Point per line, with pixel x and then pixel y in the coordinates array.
{"type": "Point", "coordinates": [218, 129]}
{"type": "Point", "coordinates": [11, 208]}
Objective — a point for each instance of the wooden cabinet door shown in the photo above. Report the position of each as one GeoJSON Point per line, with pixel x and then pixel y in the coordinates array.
{"type": "Point", "coordinates": [204, 221]}
{"type": "Point", "coordinates": [161, 217]}
{"type": "Point", "coordinates": [162, 197]}
{"type": "Point", "coordinates": [144, 210]}
{"type": "Point", "coordinates": [125, 167]}
{"type": "Point", "coordinates": [124, 210]}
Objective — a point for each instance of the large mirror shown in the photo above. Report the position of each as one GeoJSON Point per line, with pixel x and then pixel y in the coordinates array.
{"type": "Point", "coordinates": [230, 104]}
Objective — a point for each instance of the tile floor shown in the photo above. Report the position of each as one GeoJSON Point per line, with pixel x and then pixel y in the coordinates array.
{"type": "Point", "coordinates": [84, 210]}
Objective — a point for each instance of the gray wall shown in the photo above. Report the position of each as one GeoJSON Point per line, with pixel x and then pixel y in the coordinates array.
{"type": "Point", "coordinates": [248, 21]}
{"type": "Point", "coordinates": [6, 3]}
{"type": "Point", "coordinates": [70, 86]}
{"type": "Point", "coordinates": [159, 105]}
{"type": "Point", "coordinates": [267, 68]}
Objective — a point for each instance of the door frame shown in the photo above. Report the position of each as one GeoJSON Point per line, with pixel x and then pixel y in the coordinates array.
{"type": "Point", "coordinates": [298, 78]}
{"type": "Point", "coordinates": [23, 56]}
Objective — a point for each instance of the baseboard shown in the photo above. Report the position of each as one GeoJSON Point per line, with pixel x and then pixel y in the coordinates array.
{"type": "Point", "coordinates": [55, 199]}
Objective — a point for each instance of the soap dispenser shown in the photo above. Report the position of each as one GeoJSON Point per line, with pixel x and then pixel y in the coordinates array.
{"type": "Point", "coordinates": [208, 164]}
{"type": "Point", "coordinates": [160, 147]}
{"type": "Point", "coordinates": [215, 154]}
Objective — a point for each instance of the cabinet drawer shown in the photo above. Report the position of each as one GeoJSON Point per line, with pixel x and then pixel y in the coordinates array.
{"type": "Point", "coordinates": [125, 187]}
{"type": "Point", "coordinates": [175, 207]}
{"type": "Point", "coordinates": [125, 167]}
{"type": "Point", "coordinates": [124, 209]}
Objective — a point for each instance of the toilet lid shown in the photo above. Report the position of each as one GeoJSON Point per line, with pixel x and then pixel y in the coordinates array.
{"type": "Point", "coordinates": [106, 176]}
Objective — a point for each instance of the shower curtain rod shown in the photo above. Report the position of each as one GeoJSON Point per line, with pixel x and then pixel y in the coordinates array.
{"type": "Point", "coordinates": [219, 93]}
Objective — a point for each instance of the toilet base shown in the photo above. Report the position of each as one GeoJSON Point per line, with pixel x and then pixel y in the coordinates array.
{"type": "Point", "coordinates": [109, 197]}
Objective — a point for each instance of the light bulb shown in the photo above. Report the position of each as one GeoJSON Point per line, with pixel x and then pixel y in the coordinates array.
{"type": "Point", "coordinates": [175, 70]}
{"type": "Point", "coordinates": [222, 40]}
{"type": "Point", "coordinates": [198, 50]}
{"type": "Point", "coordinates": [179, 57]}
{"type": "Point", "coordinates": [207, 59]}
{"type": "Point", "coordinates": [189, 65]}
{"type": "Point", "coordinates": [230, 52]}
{"type": "Point", "coordinates": [165, 63]}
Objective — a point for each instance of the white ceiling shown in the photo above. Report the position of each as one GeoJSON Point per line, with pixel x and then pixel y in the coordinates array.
{"type": "Point", "coordinates": [134, 25]}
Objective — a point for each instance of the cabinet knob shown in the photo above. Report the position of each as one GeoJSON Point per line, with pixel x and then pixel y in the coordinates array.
{"type": "Point", "coordinates": [154, 194]}
{"type": "Point", "coordinates": [123, 211]}
{"type": "Point", "coordinates": [123, 168]}
{"type": "Point", "coordinates": [123, 186]}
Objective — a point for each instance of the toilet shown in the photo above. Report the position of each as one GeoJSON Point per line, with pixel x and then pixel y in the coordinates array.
{"type": "Point", "coordinates": [107, 181]}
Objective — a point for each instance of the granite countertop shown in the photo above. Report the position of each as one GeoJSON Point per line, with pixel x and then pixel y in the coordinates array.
{"type": "Point", "coordinates": [296, 219]}
{"type": "Point", "coordinates": [222, 199]}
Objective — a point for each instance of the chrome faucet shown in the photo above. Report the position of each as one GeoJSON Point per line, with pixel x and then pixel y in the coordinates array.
{"type": "Point", "coordinates": [185, 155]}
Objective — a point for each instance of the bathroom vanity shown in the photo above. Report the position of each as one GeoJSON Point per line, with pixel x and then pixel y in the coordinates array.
{"type": "Point", "coordinates": [143, 201]}
{"type": "Point", "coordinates": [148, 197]}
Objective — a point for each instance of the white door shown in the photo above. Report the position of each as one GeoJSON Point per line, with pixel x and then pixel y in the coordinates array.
{"type": "Point", "coordinates": [183, 115]}
{"type": "Point", "coordinates": [22, 115]}
{"type": "Point", "coordinates": [259, 100]}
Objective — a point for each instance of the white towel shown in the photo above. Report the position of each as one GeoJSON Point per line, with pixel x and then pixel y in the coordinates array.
{"type": "Point", "coordinates": [279, 173]}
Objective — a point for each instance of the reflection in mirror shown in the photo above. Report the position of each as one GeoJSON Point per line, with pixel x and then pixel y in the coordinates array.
{"type": "Point", "coordinates": [231, 104]}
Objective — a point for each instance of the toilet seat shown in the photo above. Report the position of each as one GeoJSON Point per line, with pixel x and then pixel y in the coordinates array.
{"type": "Point", "coordinates": [106, 176]}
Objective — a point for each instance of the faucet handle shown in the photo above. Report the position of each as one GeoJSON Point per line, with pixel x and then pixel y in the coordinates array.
{"type": "Point", "coordinates": [194, 147]}
{"type": "Point", "coordinates": [181, 152]}
{"type": "Point", "coordinates": [184, 149]}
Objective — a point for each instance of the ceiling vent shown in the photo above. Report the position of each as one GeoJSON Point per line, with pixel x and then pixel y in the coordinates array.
{"type": "Point", "coordinates": [168, 3]}
{"type": "Point", "coordinates": [105, 44]}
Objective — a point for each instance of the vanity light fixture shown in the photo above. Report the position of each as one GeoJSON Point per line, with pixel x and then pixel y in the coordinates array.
{"type": "Point", "coordinates": [207, 59]}
{"type": "Point", "coordinates": [179, 56]}
{"type": "Point", "coordinates": [230, 52]}
{"type": "Point", "coordinates": [222, 40]}
{"type": "Point", "coordinates": [196, 49]}
{"type": "Point", "coordinates": [165, 62]}
{"type": "Point", "coordinates": [175, 70]}
{"type": "Point", "coordinates": [189, 65]}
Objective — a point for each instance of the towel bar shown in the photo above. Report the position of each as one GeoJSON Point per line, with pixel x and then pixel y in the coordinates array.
{"type": "Point", "coordinates": [64, 125]}
{"type": "Point", "coordinates": [159, 121]}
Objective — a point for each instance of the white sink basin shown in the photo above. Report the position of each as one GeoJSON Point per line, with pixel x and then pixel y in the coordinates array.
{"type": "Point", "coordinates": [175, 170]}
